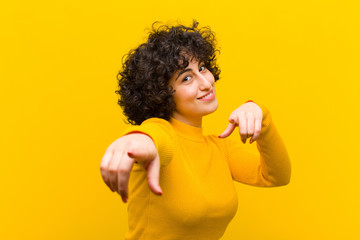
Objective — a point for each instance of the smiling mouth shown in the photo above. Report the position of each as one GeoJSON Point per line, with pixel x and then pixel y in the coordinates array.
{"type": "Point", "coordinates": [208, 96]}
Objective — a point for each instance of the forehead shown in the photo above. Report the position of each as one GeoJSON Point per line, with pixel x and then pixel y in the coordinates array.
{"type": "Point", "coordinates": [185, 60]}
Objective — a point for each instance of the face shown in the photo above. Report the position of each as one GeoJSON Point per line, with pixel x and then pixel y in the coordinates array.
{"type": "Point", "coordinates": [194, 94]}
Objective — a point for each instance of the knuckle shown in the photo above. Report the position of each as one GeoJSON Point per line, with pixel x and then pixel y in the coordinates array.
{"type": "Point", "coordinates": [121, 186]}
{"type": "Point", "coordinates": [103, 174]}
{"type": "Point", "coordinates": [133, 145]}
{"type": "Point", "coordinates": [112, 170]}
{"type": "Point", "coordinates": [122, 189]}
{"type": "Point", "coordinates": [250, 114]}
{"type": "Point", "coordinates": [122, 170]}
{"type": "Point", "coordinates": [131, 142]}
{"type": "Point", "coordinates": [128, 144]}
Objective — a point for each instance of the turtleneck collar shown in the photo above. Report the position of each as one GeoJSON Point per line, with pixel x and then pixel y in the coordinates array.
{"type": "Point", "coordinates": [187, 131]}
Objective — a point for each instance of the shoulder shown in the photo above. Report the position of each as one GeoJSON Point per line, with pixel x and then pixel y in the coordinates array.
{"type": "Point", "coordinates": [151, 126]}
{"type": "Point", "coordinates": [161, 132]}
{"type": "Point", "coordinates": [157, 122]}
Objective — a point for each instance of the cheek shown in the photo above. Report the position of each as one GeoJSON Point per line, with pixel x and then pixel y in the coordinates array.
{"type": "Point", "coordinates": [211, 77]}
{"type": "Point", "coordinates": [184, 95]}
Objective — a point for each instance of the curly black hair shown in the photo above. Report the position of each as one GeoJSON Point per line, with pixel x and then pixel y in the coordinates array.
{"type": "Point", "coordinates": [144, 81]}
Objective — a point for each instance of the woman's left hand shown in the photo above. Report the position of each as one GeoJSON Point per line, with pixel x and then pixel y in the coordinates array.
{"type": "Point", "coordinates": [248, 117]}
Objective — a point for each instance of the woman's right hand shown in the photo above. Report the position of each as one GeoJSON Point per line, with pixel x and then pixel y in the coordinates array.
{"type": "Point", "coordinates": [119, 158]}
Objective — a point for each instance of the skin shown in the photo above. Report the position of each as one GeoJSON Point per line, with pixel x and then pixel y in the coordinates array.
{"type": "Point", "coordinates": [190, 85]}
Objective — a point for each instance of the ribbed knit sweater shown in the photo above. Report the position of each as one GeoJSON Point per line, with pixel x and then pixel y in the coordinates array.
{"type": "Point", "coordinates": [196, 176]}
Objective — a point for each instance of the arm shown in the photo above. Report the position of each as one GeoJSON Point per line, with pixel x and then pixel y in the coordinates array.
{"type": "Point", "coordinates": [162, 134]}
{"type": "Point", "coordinates": [272, 168]}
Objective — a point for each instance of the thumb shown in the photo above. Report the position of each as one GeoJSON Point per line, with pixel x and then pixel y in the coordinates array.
{"type": "Point", "coordinates": [153, 172]}
{"type": "Point", "coordinates": [230, 128]}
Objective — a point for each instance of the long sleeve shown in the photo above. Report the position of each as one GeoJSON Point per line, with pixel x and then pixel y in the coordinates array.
{"type": "Point", "coordinates": [272, 168]}
{"type": "Point", "coordinates": [161, 133]}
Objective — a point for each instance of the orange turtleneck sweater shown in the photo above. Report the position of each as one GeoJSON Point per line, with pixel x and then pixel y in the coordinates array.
{"type": "Point", "coordinates": [196, 176]}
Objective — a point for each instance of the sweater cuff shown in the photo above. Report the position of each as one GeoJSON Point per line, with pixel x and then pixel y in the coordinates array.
{"type": "Point", "coordinates": [161, 132]}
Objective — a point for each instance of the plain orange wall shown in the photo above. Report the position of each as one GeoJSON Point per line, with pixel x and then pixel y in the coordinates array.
{"type": "Point", "coordinates": [58, 66]}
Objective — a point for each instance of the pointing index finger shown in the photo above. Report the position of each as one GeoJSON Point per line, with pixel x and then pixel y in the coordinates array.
{"type": "Point", "coordinates": [229, 129]}
{"type": "Point", "coordinates": [153, 172]}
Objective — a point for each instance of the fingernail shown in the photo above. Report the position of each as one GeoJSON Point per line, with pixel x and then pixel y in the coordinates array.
{"type": "Point", "coordinates": [250, 142]}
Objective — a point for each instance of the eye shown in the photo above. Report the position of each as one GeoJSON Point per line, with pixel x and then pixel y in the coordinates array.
{"type": "Point", "coordinates": [187, 78]}
{"type": "Point", "coordinates": [202, 69]}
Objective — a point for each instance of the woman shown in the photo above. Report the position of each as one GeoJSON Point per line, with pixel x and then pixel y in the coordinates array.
{"type": "Point", "coordinates": [181, 182]}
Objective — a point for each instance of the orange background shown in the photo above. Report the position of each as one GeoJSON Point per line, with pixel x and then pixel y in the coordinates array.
{"type": "Point", "coordinates": [58, 69]}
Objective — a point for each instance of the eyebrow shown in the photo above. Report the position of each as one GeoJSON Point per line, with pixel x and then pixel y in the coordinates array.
{"type": "Point", "coordinates": [186, 70]}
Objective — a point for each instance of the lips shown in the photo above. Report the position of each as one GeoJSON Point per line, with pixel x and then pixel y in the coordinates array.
{"type": "Point", "coordinates": [208, 96]}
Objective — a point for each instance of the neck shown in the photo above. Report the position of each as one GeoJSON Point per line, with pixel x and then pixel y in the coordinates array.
{"type": "Point", "coordinates": [195, 122]}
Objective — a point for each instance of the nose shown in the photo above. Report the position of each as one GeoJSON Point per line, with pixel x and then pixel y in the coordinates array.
{"type": "Point", "coordinates": [204, 82]}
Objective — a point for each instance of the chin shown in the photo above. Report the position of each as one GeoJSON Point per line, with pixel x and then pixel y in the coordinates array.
{"type": "Point", "coordinates": [212, 109]}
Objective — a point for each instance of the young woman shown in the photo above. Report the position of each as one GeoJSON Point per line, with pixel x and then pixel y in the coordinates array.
{"type": "Point", "coordinates": [181, 181]}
